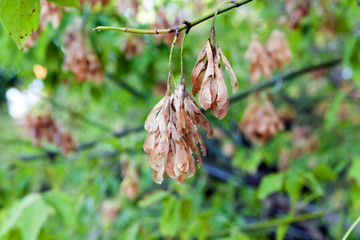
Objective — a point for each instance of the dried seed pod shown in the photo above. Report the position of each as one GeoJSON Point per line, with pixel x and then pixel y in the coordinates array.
{"type": "Point", "coordinates": [133, 45]}
{"type": "Point", "coordinates": [127, 7]}
{"type": "Point", "coordinates": [173, 126]}
{"type": "Point", "coordinates": [40, 127]}
{"type": "Point", "coordinates": [260, 61]}
{"type": "Point", "coordinates": [44, 127]}
{"type": "Point", "coordinates": [303, 140]}
{"type": "Point", "coordinates": [79, 58]}
{"type": "Point", "coordinates": [207, 78]}
{"type": "Point", "coordinates": [260, 122]}
{"type": "Point", "coordinates": [93, 3]}
{"type": "Point", "coordinates": [161, 22]}
{"type": "Point", "coordinates": [297, 10]}
{"type": "Point", "coordinates": [278, 48]}
{"type": "Point", "coordinates": [66, 142]}
{"type": "Point", "coordinates": [130, 183]}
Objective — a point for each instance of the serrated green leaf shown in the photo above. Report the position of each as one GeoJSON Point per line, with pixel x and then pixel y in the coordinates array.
{"type": "Point", "coordinates": [66, 3]}
{"type": "Point", "coordinates": [20, 18]}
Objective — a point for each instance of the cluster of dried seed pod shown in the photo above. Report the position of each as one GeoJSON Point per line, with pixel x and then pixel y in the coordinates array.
{"type": "Point", "coordinates": [133, 45]}
{"type": "Point", "coordinates": [130, 183]}
{"type": "Point", "coordinates": [303, 142]}
{"type": "Point", "coordinates": [297, 10]}
{"type": "Point", "coordinates": [260, 121]}
{"type": "Point", "coordinates": [79, 58]}
{"type": "Point", "coordinates": [44, 127]}
{"type": "Point", "coordinates": [274, 55]}
{"type": "Point", "coordinates": [173, 126]}
{"type": "Point", "coordinates": [208, 79]}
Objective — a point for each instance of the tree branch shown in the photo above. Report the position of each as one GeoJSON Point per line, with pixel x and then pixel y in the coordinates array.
{"type": "Point", "coordinates": [185, 26]}
{"type": "Point", "coordinates": [283, 78]}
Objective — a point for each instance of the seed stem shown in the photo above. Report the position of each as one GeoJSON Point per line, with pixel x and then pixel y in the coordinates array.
{"type": "Point", "coordinates": [168, 90]}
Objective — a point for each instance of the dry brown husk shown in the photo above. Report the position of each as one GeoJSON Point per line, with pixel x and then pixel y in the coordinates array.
{"type": "Point", "coordinates": [173, 135]}
{"type": "Point", "coordinates": [208, 80]}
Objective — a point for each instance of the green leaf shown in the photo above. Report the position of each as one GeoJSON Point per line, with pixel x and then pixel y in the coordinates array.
{"type": "Point", "coordinates": [270, 184]}
{"type": "Point", "coordinates": [170, 219]}
{"type": "Point", "coordinates": [323, 172]}
{"type": "Point", "coordinates": [153, 198]}
{"type": "Point", "coordinates": [293, 186]}
{"type": "Point", "coordinates": [63, 205]}
{"type": "Point", "coordinates": [20, 18]}
{"type": "Point", "coordinates": [14, 213]}
{"type": "Point", "coordinates": [331, 114]}
{"type": "Point", "coordinates": [32, 219]}
{"type": "Point", "coordinates": [354, 170]}
{"type": "Point", "coordinates": [66, 3]}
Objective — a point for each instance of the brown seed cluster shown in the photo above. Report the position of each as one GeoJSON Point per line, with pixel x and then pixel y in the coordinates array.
{"type": "Point", "coordinates": [133, 45]}
{"type": "Point", "coordinates": [79, 58]}
{"type": "Point", "coordinates": [207, 78]}
{"type": "Point", "coordinates": [94, 3]}
{"type": "Point", "coordinates": [161, 22]}
{"type": "Point", "coordinates": [260, 122]}
{"type": "Point", "coordinates": [130, 184]}
{"type": "Point", "coordinates": [129, 7]}
{"type": "Point", "coordinates": [296, 9]}
{"type": "Point", "coordinates": [278, 49]}
{"type": "Point", "coordinates": [49, 13]}
{"type": "Point", "coordinates": [274, 55]}
{"type": "Point", "coordinates": [303, 142]}
{"type": "Point", "coordinates": [44, 127]}
{"type": "Point", "coordinates": [173, 126]}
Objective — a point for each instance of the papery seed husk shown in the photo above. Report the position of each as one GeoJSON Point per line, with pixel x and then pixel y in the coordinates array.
{"type": "Point", "coordinates": [198, 81]}
{"type": "Point", "coordinates": [198, 65]}
{"type": "Point", "coordinates": [233, 80]}
{"type": "Point", "coordinates": [152, 115]}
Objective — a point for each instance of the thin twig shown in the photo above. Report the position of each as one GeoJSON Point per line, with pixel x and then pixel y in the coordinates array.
{"type": "Point", "coordinates": [182, 27]}
{"type": "Point", "coordinates": [351, 229]}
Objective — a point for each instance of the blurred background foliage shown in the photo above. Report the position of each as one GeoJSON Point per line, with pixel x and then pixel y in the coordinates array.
{"type": "Point", "coordinates": [303, 183]}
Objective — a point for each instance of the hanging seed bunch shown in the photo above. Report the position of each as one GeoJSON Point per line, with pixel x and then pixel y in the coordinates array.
{"type": "Point", "coordinates": [297, 10]}
{"type": "Point", "coordinates": [161, 22]}
{"type": "Point", "coordinates": [133, 45]}
{"type": "Point", "coordinates": [278, 49]}
{"type": "Point", "coordinates": [208, 80]}
{"type": "Point", "coordinates": [79, 58]}
{"type": "Point", "coordinates": [173, 132]}
{"type": "Point", "coordinates": [263, 60]}
{"type": "Point", "coordinates": [127, 7]}
{"type": "Point", "coordinates": [260, 121]}
{"type": "Point", "coordinates": [49, 13]}
{"type": "Point", "coordinates": [259, 60]}
{"type": "Point", "coordinates": [173, 126]}
{"type": "Point", "coordinates": [94, 3]}
{"type": "Point", "coordinates": [130, 184]}
{"type": "Point", "coordinates": [44, 127]}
